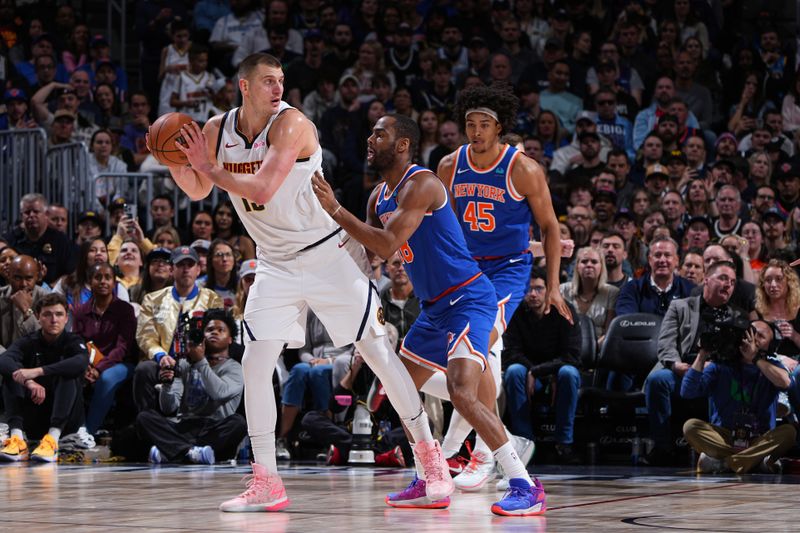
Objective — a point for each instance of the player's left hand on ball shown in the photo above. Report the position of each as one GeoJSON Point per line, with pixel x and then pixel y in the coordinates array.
{"type": "Point", "coordinates": [324, 192]}
{"type": "Point", "coordinates": [554, 299]}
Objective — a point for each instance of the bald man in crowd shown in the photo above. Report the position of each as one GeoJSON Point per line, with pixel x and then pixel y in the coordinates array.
{"type": "Point", "coordinates": [17, 300]}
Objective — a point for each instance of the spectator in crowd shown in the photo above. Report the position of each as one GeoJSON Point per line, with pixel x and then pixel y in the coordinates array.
{"type": "Point", "coordinates": [744, 292]}
{"type": "Point", "coordinates": [322, 98]}
{"type": "Point", "coordinates": [542, 351]}
{"type": "Point", "coordinates": [36, 239]}
{"type": "Point", "coordinates": [724, 443]}
{"type": "Point", "coordinates": [656, 181]}
{"type": "Point", "coordinates": [229, 32]}
{"type": "Point", "coordinates": [247, 275]}
{"type": "Point", "coordinates": [754, 235]}
{"type": "Point", "coordinates": [552, 135]}
{"type": "Point", "coordinates": [698, 200]}
{"type": "Point", "coordinates": [729, 205]}
{"type": "Point", "coordinates": [775, 239]}
{"type": "Point", "coordinates": [370, 63]}
{"type": "Point", "coordinates": [787, 183]}
{"type": "Point", "coordinates": [568, 156]}
{"type": "Point", "coordinates": [128, 229]}
{"type": "Point", "coordinates": [678, 340]}
{"type": "Point", "coordinates": [589, 292]}
{"type": "Point", "coordinates": [698, 232]}
{"type": "Point", "coordinates": [611, 125]}
{"type": "Point", "coordinates": [76, 286]}
{"type": "Point", "coordinates": [674, 210]}
{"type": "Point", "coordinates": [90, 227]}
{"type": "Point", "coordinates": [192, 94]}
{"type": "Point", "coordinates": [18, 299]}
{"type": "Point", "coordinates": [17, 114]}
{"type": "Point", "coordinates": [200, 227]}
{"type": "Point", "coordinates": [653, 292]}
{"type": "Point", "coordinates": [102, 162]}
{"type": "Point", "coordinates": [162, 211]}
{"type": "Point", "coordinates": [157, 275]}
{"type": "Point", "coordinates": [161, 316]}
{"type": "Point", "coordinates": [7, 254]}
{"type": "Point", "coordinates": [400, 306]}
{"type": "Point", "coordinates": [321, 365]}
{"type": "Point", "coordinates": [449, 140]}
{"type": "Point", "coordinates": [58, 217]}
{"type": "Point", "coordinates": [42, 384]}
{"type": "Point", "coordinates": [109, 324]}
{"type": "Point", "coordinates": [203, 392]}
{"type": "Point", "coordinates": [129, 263]}
{"type": "Point", "coordinates": [136, 126]}
{"type": "Point", "coordinates": [201, 246]}
{"type": "Point", "coordinates": [579, 221]}
{"type": "Point", "coordinates": [558, 99]}
{"type": "Point", "coordinates": [790, 106]}
{"type": "Point", "coordinates": [778, 302]}
{"type": "Point", "coordinates": [76, 51]}
{"type": "Point", "coordinates": [646, 120]}
{"type": "Point", "coordinates": [174, 60]}
{"type": "Point", "coordinates": [220, 269]}
{"type": "Point", "coordinates": [745, 114]}
{"type": "Point", "coordinates": [166, 237]}
{"type": "Point", "coordinates": [692, 267]}
{"type": "Point", "coordinates": [615, 255]}
{"type": "Point", "coordinates": [228, 227]}
{"type": "Point", "coordinates": [697, 96]}
{"type": "Point", "coordinates": [303, 76]}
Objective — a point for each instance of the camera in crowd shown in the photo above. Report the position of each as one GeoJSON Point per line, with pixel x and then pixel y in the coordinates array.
{"type": "Point", "coordinates": [188, 333]}
{"type": "Point", "coordinates": [721, 334]}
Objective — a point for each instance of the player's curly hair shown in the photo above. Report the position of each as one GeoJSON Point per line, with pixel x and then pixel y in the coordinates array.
{"type": "Point", "coordinates": [499, 97]}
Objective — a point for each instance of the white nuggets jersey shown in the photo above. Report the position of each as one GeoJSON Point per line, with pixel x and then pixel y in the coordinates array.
{"type": "Point", "coordinates": [294, 218]}
{"type": "Point", "coordinates": [198, 90]}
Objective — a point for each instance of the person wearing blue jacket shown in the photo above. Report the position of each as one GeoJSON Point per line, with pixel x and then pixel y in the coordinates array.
{"type": "Point", "coordinates": [743, 394]}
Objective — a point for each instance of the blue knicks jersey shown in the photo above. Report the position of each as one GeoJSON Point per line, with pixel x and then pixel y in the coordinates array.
{"type": "Point", "coordinates": [494, 217]}
{"type": "Point", "coordinates": [435, 256]}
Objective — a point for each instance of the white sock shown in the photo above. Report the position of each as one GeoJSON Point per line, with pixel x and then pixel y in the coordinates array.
{"type": "Point", "coordinates": [17, 433]}
{"type": "Point", "coordinates": [419, 427]}
{"type": "Point", "coordinates": [418, 465]}
{"type": "Point", "coordinates": [55, 433]}
{"type": "Point", "coordinates": [512, 466]}
{"type": "Point", "coordinates": [258, 365]}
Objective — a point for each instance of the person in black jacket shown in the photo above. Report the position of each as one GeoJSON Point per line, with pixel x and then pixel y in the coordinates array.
{"type": "Point", "coordinates": [43, 383]}
{"type": "Point", "coordinates": [400, 305]}
{"type": "Point", "coordinates": [542, 348]}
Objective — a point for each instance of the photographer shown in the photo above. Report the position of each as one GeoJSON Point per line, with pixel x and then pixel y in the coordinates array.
{"type": "Point", "coordinates": [203, 391]}
{"type": "Point", "coordinates": [678, 343]}
{"type": "Point", "coordinates": [160, 318]}
{"type": "Point", "coordinates": [743, 392]}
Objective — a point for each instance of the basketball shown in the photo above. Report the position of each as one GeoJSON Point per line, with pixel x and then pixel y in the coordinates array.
{"type": "Point", "coordinates": [163, 134]}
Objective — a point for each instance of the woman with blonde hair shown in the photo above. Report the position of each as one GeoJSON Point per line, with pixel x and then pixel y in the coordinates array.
{"type": "Point", "coordinates": [778, 302]}
{"type": "Point", "coordinates": [760, 166]}
{"type": "Point", "coordinates": [589, 291]}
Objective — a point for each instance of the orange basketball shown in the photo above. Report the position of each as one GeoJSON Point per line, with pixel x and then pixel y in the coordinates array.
{"type": "Point", "coordinates": [163, 134]}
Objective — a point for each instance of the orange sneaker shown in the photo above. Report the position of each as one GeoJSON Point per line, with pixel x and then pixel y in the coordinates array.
{"type": "Point", "coordinates": [14, 449]}
{"type": "Point", "coordinates": [46, 451]}
{"type": "Point", "coordinates": [265, 493]}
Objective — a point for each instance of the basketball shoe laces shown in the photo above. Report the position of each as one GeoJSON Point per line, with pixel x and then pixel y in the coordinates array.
{"type": "Point", "coordinates": [474, 460]}
{"type": "Point", "coordinates": [257, 486]}
{"type": "Point", "coordinates": [431, 464]}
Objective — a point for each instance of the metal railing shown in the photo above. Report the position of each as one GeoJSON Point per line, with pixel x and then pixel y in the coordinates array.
{"type": "Point", "coordinates": [66, 180]}
{"type": "Point", "coordinates": [22, 170]}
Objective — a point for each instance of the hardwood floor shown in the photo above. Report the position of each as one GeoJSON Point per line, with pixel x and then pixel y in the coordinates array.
{"type": "Point", "coordinates": [130, 497]}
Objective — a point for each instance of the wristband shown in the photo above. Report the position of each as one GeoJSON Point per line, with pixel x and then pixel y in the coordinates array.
{"type": "Point", "coordinates": [158, 356]}
{"type": "Point", "coordinates": [336, 211]}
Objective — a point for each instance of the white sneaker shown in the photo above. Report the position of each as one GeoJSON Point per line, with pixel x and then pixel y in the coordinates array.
{"type": "Point", "coordinates": [80, 440]}
{"type": "Point", "coordinates": [708, 465]}
{"type": "Point", "coordinates": [155, 457]}
{"type": "Point", "coordinates": [265, 493]}
{"type": "Point", "coordinates": [525, 448]}
{"type": "Point", "coordinates": [784, 405]}
{"type": "Point", "coordinates": [770, 467]}
{"type": "Point", "coordinates": [477, 473]}
{"type": "Point", "coordinates": [282, 450]}
{"type": "Point", "coordinates": [201, 455]}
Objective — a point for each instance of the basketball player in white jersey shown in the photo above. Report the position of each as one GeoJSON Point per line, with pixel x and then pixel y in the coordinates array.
{"type": "Point", "coordinates": [264, 154]}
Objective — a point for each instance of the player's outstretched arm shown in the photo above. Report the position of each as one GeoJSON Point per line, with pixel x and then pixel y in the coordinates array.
{"type": "Point", "coordinates": [412, 204]}
{"type": "Point", "coordinates": [528, 179]}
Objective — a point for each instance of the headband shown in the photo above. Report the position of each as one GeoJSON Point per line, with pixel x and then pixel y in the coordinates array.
{"type": "Point", "coordinates": [484, 110]}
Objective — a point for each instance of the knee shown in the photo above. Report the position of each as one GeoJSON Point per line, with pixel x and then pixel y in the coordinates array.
{"type": "Point", "coordinates": [786, 432]}
{"type": "Point", "coordinates": [515, 373]}
{"type": "Point", "coordinates": [461, 394]}
{"type": "Point", "coordinates": [569, 375]}
{"type": "Point", "coordinates": [692, 425]}
{"type": "Point", "coordinates": [660, 380]}
{"type": "Point", "coordinates": [145, 368]}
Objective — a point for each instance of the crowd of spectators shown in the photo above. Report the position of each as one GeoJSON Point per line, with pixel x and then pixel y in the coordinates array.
{"type": "Point", "coordinates": [669, 133]}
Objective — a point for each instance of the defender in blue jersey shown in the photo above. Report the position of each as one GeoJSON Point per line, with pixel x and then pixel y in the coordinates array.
{"type": "Point", "coordinates": [497, 191]}
{"type": "Point", "coordinates": [410, 212]}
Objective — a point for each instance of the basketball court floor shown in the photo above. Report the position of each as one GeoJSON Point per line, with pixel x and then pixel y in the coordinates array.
{"type": "Point", "coordinates": [135, 497]}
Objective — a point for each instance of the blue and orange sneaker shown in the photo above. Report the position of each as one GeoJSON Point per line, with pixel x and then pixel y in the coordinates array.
{"type": "Point", "coordinates": [414, 497]}
{"type": "Point", "coordinates": [522, 499]}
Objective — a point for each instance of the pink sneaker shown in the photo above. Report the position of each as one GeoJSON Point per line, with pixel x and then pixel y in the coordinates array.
{"type": "Point", "coordinates": [439, 484]}
{"type": "Point", "coordinates": [264, 493]}
{"type": "Point", "coordinates": [414, 497]}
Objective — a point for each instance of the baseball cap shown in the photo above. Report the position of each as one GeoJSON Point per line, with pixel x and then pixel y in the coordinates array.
{"type": "Point", "coordinates": [787, 170]}
{"type": "Point", "coordinates": [726, 135]}
{"type": "Point", "coordinates": [15, 94]}
{"type": "Point", "coordinates": [160, 253]}
{"type": "Point", "coordinates": [405, 27]}
{"type": "Point", "coordinates": [184, 252]}
{"type": "Point", "coordinates": [92, 216]}
{"type": "Point", "coordinates": [313, 35]}
{"type": "Point", "coordinates": [477, 41]}
{"type": "Point", "coordinates": [605, 194]}
{"type": "Point", "coordinates": [348, 77]}
{"type": "Point", "coordinates": [247, 267]}
{"type": "Point", "coordinates": [703, 220]}
{"type": "Point", "coordinates": [774, 212]}
{"type": "Point", "coordinates": [624, 213]}
{"type": "Point", "coordinates": [723, 163]}
{"type": "Point", "coordinates": [61, 113]}
{"type": "Point", "coordinates": [655, 170]}
{"type": "Point", "coordinates": [42, 37]}
{"type": "Point", "coordinates": [561, 14]}
{"type": "Point", "coordinates": [587, 134]}
{"type": "Point", "coordinates": [117, 203]}
{"type": "Point", "coordinates": [553, 43]}
{"type": "Point", "coordinates": [201, 244]}
{"type": "Point", "coordinates": [586, 115]}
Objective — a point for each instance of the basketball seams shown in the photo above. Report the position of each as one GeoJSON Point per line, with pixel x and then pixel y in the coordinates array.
{"type": "Point", "coordinates": [163, 150]}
